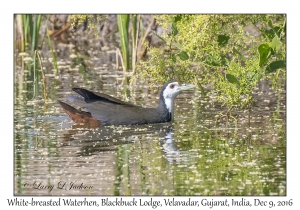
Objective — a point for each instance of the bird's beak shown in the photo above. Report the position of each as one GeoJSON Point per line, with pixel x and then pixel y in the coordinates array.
{"type": "Point", "coordinates": [186, 86]}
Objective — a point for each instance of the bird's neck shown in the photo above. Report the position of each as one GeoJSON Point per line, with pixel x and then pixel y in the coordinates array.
{"type": "Point", "coordinates": [166, 106]}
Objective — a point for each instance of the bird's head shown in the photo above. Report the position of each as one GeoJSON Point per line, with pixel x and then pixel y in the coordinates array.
{"type": "Point", "coordinates": [169, 92]}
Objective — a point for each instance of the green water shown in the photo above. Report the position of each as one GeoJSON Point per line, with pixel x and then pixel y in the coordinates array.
{"type": "Point", "coordinates": [200, 153]}
{"type": "Point", "coordinates": [194, 155]}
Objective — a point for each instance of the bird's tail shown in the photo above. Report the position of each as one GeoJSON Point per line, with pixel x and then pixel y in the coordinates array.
{"type": "Point", "coordinates": [79, 116]}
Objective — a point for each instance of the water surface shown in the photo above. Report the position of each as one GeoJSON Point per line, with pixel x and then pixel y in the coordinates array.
{"type": "Point", "coordinates": [197, 154]}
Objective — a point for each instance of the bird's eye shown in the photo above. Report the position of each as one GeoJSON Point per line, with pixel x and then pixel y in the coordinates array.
{"type": "Point", "coordinates": [172, 86]}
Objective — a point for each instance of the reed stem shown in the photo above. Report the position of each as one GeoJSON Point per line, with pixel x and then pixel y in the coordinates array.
{"type": "Point", "coordinates": [43, 75]}
{"type": "Point", "coordinates": [123, 25]}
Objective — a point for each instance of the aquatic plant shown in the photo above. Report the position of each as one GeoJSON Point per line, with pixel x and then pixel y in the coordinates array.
{"type": "Point", "coordinates": [28, 28]}
{"type": "Point", "coordinates": [123, 25]}
{"type": "Point", "coordinates": [28, 36]}
{"type": "Point", "coordinates": [132, 36]}
{"type": "Point", "coordinates": [219, 50]}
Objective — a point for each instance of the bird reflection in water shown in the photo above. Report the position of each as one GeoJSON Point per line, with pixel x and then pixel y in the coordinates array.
{"type": "Point", "coordinates": [109, 138]}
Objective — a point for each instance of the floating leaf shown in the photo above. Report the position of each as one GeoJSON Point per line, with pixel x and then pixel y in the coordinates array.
{"type": "Point", "coordinates": [275, 65]}
{"type": "Point", "coordinates": [276, 44]}
{"type": "Point", "coordinates": [264, 52]}
{"type": "Point", "coordinates": [240, 54]}
{"type": "Point", "coordinates": [232, 79]}
{"type": "Point", "coordinates": [183, 55]}
{"type": "Point", "coordinates": [223, 40]}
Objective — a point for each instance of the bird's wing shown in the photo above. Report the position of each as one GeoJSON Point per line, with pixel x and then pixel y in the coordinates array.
{"type": "Point", "coordinates": [91, 97]}
{"type": "Point", "coordinates": [116, 114]}
{"type": "Point", "coordinates": [108, 110]}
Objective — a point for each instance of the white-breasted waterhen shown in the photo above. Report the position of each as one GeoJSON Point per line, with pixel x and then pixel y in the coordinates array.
{"type": "Point", "coordinates": [100, 109]}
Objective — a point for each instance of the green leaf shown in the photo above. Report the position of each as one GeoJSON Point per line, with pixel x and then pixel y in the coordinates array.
{"type": "Point", "coordinates": [264, 53]}
{"type": "Point", "coordinates": [240, 54]}
{"type": "Point", "coordinates": [277, 30]}
{"type": "Point", "coordinates": [253, 75]}
{"type": "Point", "coordinates": [276, 44]}
{"type": "Point", "coordinates": [223, 40]}
{"type": "Point", "coordinates": [177, 18]}
{"type": "Point", "coordinates": [213, 60]}
{"type": "Point", "coordinates": [162, 39]}
{"type": "Point", "coordinates": [201, 89]}
{"type": "Point", "coordinates": [183, 55]}
{"type": "Point", "coordinates": [173, 57]}
{"type": "Point", "coordinates": [179, 46]}
{"type": "Point", "coordinates": [224, 60]}
{"type": "Point", "coordinates": [174, 29]}
{"type": "Point", "coordinates": [232, 79]}
{"type": "Point", "coordinates": [275, 65]}
{"type": "Point", "coordinates": [268, 34]}
{"type": "Point", "coordinates": [270, 24]}
{"type": "Point", "coordinates": [259, 76]}
{"type": "Point", "coordinates": [123, 25]}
